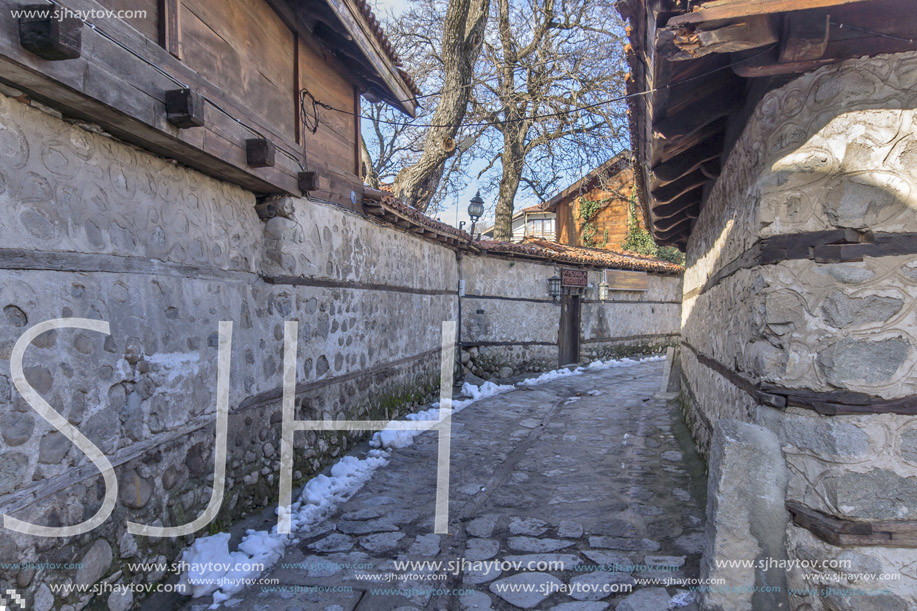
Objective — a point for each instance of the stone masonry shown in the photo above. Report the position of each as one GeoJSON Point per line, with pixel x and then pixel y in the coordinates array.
{"type": "Point", "coordinates": [833, 149]}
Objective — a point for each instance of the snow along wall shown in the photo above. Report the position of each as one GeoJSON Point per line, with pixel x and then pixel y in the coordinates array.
{"type": "Point", "coordinates": [510, 322]}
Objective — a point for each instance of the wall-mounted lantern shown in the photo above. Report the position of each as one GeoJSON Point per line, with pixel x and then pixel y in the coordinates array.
{"type": "Point", "coordinates": [554, 289]}
{"type": "Point", "coordinates": [603, 291]}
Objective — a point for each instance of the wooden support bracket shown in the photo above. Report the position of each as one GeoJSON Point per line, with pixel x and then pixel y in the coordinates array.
{"type": "Point", "coordinates": [805, 36]}
{"type": "Point", "coordinates": [184, 108]}
{"type": "Point", "coordinates": [50, 35]}
{"type": "Point", "coordinates": [308, 181]}
{"type": "Point", "coordinates": [687, 42]}
{"type": "Point", "coordinates": [260, 153]}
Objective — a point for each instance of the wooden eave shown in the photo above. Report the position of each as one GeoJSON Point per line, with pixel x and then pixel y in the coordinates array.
{"type": "Point", "coordinates": [707, 68]}
{"type": "Point", "coordinates": [112, 88]}
{"type": "Point", "coordinates": [363, 43]}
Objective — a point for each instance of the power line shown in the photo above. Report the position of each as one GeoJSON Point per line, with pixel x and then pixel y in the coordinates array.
{"type": "Point", "coordinates": [841, 26]}
{"type": "Point", "coordinates": [312, 125]}
{"type": "Point", "coordinates": [553, 114]}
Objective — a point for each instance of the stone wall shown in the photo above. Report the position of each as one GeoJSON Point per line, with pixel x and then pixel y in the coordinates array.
{"type": "Point", "coordinates": [632, 322]}
{"type": "Point", "coordinates": [510, 323]}
{"type": "Point", "coordinates": [97, 229]}
{"type": "Point", "coordinates": [834, 149]}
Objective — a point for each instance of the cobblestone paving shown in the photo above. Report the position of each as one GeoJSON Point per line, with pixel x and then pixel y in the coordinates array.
{"type": "Point", "coordinates": [583, 471]}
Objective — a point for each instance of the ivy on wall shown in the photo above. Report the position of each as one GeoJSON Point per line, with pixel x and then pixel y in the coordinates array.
{"type": "Point", "coordinates": [588, 210]}
{"type": "Point", "coordinates": [641, 242]}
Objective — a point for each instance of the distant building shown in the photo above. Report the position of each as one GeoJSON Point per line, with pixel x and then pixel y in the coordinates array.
{"type": "Point", "coordinates": [529, 223]}
{"type": "Point", "coordinates": [593, 211]}
{"type": "Point", "coordinates": [602, 222]}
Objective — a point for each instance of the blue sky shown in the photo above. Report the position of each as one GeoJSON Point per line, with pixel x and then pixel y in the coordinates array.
{"type": "Point", "coordinates": [453, 214]}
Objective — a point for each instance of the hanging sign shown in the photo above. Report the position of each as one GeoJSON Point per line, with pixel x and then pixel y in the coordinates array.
{"type": "Point", "coordinates": [619, 280]}
{"type": "Point", "coordinates": [574, 277]}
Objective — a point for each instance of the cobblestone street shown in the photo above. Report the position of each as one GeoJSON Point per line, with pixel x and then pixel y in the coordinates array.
{"type": "Point", "coordinates": [584, 471]}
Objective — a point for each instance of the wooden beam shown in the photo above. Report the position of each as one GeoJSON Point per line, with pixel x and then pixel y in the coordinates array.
{"type": "Point", "coordinates": [297, 87]}
{"type": "Point", "coordinates": [766, 65]}
{"type": "Point", "coordinates": [704, 86]}
{"type": "Point", "coordinates": [352, 19]}
{"type": "Point", "coordinates": [674, 190]}
{"type": "Point", "coordinates": [805, 37]}
{"type": "Point", "coordinates": [702, 113]}
{"type": "Point", "coordinates": [677, 146]}
{"type": "Point", "coordinates": [670, 225]}
{"type": "Point", "coordinates": [170, 26]}
{"type": "Point", "coordinates": [841, 532]}
{"type": "Point", "coordinates": [50, 37]}
{"type": "Point", "coordinates": [307, 181]}
{"type": "Point", "coordinates": [711, 169]}
{"type": "Point", "coordinates": [680, 43]}
{"type": "Point", "coordinates": [260, 152]}
{"type": "Point", "coordinates": [685, 163]}
{"type": "Point", "coordinates": [184, 108]}
{"type": "Point", "coordinates": [679, 208]}
{"type": "Point", "coordinates": [676, 206]}
{"type": "Point", "coordinates": [357, 136]}
{"type": "Point", "coordinates": [722, 10]}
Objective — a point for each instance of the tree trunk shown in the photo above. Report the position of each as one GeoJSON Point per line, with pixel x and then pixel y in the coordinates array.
{"type": "Point", "coordinates": [368, 174]}
{"type": "Point", "coordinates": [513, 160]}
{"type": "Point", "coordinates": [463, 35]}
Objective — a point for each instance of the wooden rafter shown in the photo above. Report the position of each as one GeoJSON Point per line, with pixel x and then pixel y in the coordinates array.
{"type": "Point", "coordinates": [722, 10]}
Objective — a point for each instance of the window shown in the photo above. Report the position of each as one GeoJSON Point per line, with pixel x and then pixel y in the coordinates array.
{"type": "Point", "coordinates": [539, 227]}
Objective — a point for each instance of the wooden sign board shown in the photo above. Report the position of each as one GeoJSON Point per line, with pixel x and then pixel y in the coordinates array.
{"type": "Point", "coordinates": [574, 277]}
{"type": "Point", "coordinates": [626, 281]}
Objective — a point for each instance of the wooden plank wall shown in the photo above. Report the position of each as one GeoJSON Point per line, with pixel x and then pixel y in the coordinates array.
{"type": "Point", "coordinates": [332, 150]}
{"type": "Point", "coordinates": [612, 217]}
{"type": "Point", "coordinates": [148, 25]}
{"type": "Point", "coordinates": [243, 47]}
{"type": "Point", "coordinates": [252, 63]}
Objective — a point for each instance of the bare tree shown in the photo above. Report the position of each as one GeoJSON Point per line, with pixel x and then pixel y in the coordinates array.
{"type": "Point", "coordinates": [462, 27]}
{"type": "Point", "coordinates": [545, 101]}
{"type": "Point", "coordinates": [550, 83]}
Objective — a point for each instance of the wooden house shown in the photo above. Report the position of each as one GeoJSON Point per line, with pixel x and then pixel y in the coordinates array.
{"type": "Point", "coordinates": [601, 222]}
{"type": "Point", "coordinates": [594, 211]}
{"type": "Point", "coordinates": [261, 93]}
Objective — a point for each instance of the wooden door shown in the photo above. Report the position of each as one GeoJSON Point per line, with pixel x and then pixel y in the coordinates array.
{"type": "Point", "coordinates": [568, 338]}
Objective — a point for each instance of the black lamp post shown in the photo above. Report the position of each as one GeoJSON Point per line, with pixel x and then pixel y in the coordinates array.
{"type": "Point", "coordinates": [475, 210]}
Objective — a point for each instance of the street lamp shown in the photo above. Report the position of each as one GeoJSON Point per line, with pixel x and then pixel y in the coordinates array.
{"type": "Point", "coordinates": [475, 210]}
{"type": "Point", "coordinates": [554, 289]}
